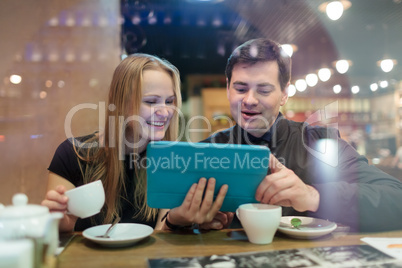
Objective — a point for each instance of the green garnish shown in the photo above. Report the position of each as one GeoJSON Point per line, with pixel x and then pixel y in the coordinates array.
{"type": "Point", "coordinates": [295, 222]}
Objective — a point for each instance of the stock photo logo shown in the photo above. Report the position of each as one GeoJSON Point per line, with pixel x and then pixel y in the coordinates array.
{"type": "Point", "coordinates": [325, 150]}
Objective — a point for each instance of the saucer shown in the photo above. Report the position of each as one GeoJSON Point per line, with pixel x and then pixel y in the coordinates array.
{"type": "Point", "coordinates": [309, 228]}
{"type": "Point", "coordinates": [123, 234]}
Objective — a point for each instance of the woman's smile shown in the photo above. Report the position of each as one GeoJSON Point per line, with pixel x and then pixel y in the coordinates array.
{"type": "Point", "coordinates": [159, 124]}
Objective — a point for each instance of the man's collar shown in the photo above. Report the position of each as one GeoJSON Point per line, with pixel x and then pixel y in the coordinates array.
{"type": "Point", "coordinates": [267, 135]}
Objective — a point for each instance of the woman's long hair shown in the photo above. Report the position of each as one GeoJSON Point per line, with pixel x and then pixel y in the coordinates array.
{"type": "Point", "coordinates": [104, 162]}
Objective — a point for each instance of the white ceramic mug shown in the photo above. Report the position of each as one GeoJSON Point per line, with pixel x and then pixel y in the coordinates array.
{"type": "Point", "coordinates": [260, 221]}
{"type": "Point", "coordinates": [86, 200]}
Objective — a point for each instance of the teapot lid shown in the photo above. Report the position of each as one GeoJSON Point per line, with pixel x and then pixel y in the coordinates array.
{"type": "Point", "coordinates": [21, 208]}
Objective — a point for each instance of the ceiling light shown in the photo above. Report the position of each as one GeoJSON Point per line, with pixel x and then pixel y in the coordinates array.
{"type": "Point", "coordinates": [355, 89]}
{"type": "Point", "coordinates": [201, 21]}
{"type": "Point", "coordinates": [311, 79]}
{"type": "Point", "coordinates": [103, 21]}
{"type": "Point", "coordinates": [70, 56]}
{"type": "Point", "coordinates": [70, 21]}
{"type": "Point", "coordinates": [86, 21]}
{"type": "Point", "coordinates": [384, 84]}
{"type": "Point", "coordinates": [204, 1]}
{"type": "Point", "coordinates": [221, 49]}
{"type": "Point", "coordinates": [337, 89]}
{"type": "Point", "coordinates": [121, 20]}
{"type": "Point", "coordinates": [387, 64]}
{"type": "Point", "coordinates": [374, 87]}
{"type": "Point", "coordinates": [36, 56]}
{"type": "Point", "coordinates": [43, 94]}
{"type": "Point", "coordinates": [152, 19]}
{"type": "Point", "coordinates": [342, 66]}
{"type": "Point", "coordinates": [301, 85]}
{"type": "Point", "coordinates": [324, 74]}
{"type": "Point", "coordinates": [53, 21]}
{"type": "Point", "coordinates": [61, 84]}
{"type": "Point", "coordinates": [291, 90]}
{"type": "Point", "coordinates": [217, 21]}
{"type": "Point", "coordinates": [53, 56]}
{"type": "Point", "coordinates": [48, 83]}
{"type": "Point", "coordinates": [15, 79]}
{"type": "Point", "coordinates": [136, 19]}
{"type": "Point", "coordinates": [289, 49]}
{"type": "Point", "coordinates": [334, 9]}
{"type": "Point", "coordinates": [85, 56]}
{"type": "Point", "coordinates": [167, 19]}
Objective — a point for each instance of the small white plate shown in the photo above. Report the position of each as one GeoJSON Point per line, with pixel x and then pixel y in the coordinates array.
{"type": "Point", "coordinates": [309, 228]}
{"type": "Point", "coordinates": [123, 234]}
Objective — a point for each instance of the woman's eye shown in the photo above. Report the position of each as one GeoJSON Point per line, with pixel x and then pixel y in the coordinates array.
{"type": "Point", "coordinates": [170, 102]}
{"type": "Point", "coordinates": [150, 102]}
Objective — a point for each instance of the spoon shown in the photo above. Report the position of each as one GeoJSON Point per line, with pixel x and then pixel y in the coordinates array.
{"type": "Point", "coordinates": [106, 235]}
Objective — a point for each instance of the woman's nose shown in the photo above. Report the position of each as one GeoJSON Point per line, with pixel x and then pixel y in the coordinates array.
{"type": "Point", "coordinates": [162, 111]}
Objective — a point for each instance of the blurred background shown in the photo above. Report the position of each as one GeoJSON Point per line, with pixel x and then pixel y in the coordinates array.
{"type": "Point", "coordinates": [57, 59]}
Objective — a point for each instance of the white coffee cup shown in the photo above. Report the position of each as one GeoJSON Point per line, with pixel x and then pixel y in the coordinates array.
{"type": "Point", "coordinates": [260, 221]}
{"type": "Point", "coordinates": [86, 200]}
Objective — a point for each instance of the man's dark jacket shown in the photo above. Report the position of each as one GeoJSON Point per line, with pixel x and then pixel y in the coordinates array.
{"type": "Point", "coordinates": [352, 192]}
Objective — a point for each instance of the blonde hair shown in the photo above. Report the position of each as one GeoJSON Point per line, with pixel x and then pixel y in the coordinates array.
{"type": "Point", "coordinates": [103, 162]}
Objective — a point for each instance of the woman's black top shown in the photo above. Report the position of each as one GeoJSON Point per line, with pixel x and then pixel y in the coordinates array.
{"type": "Point", "coordinates": [65, 164]}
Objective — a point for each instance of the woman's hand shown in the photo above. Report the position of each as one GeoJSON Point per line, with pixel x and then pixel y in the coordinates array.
{"type": "Point", "coordinates": [196, 209]}
{"type": "Point", "coordinates": [222, 220]}
{"type": "Point", "coordinates": [56, 201]}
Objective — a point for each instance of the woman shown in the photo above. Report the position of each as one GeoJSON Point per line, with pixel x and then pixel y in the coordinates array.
{"type": "Point", "coordinates": [144, 96]}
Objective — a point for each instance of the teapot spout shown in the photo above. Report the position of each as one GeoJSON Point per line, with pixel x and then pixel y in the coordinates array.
{"type": "Point", "coordinates": [51, 236]}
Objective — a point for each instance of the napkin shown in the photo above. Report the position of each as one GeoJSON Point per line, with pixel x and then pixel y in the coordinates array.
{"type": "Point", "coordinates": [390, 246]}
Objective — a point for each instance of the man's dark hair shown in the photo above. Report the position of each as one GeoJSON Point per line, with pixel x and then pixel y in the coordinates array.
{"type": "Point", "coordinates": [261, 50]}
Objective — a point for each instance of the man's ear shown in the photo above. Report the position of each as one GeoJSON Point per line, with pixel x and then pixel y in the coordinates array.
{"type": "Point", "coordinates": [227, 88]}
{"type": "Point", "coordinates": [285, 95]}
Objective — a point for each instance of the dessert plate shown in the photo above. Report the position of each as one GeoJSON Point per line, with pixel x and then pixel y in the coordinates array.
{"type": "Point", "coordinates": [122, 235]}
{"type": "Point", "coordinates": [310, 227]}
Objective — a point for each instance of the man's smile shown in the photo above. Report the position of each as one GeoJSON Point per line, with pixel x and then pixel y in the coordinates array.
{"type": "Point", "coordinates": [249, 114]}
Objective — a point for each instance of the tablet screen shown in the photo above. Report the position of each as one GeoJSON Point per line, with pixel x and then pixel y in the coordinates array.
{"type": "Point", "coordinates": [172, 167]}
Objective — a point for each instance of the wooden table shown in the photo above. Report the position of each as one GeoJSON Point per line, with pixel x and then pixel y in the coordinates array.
{"type": "Point", "coordinates": [81, 252]}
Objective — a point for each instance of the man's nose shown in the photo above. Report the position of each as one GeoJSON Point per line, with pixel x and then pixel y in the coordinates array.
{"type": "Point", "coordinates": [250, 99]}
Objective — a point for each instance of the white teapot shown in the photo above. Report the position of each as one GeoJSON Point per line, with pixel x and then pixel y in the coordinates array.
{"type": "Point", "coordinates": [23, 220]}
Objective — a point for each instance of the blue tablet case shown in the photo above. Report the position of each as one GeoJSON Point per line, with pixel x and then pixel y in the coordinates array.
{"type": "Point", "coordinates": [172, 167]}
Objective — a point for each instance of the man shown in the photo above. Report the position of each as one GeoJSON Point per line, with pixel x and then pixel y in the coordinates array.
{"type": "Point", "coordinates": [319, 174]}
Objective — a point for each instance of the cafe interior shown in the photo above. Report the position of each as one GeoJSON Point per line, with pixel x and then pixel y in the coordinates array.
{"type": "Point", "coordinates": [57, 59]}
{"type": "Point", "coordinates": [58, 55]}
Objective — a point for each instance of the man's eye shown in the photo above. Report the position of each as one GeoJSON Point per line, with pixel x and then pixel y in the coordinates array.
{"type": "Point", "coordinates": [265, 91]}
{"type": "Point", "coordinates": [241, 90]}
